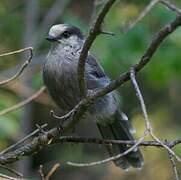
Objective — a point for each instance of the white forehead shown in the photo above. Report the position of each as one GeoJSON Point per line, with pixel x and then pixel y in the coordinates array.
{"type": "Point", "coordinates": [56, 30]}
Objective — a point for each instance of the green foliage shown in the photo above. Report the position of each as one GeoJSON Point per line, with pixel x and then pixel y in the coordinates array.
{"type": "Point", "coordinates": [9, 124]}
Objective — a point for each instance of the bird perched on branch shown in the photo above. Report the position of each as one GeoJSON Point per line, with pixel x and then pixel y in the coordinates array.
{"type": "Point", "coordinates": [61, 79]}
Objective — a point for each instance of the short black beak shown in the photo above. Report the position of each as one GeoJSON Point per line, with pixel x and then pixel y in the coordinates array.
{"type": "Point", "coordinates": [50, 38]}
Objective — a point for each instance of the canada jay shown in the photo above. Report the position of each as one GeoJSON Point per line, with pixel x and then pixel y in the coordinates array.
{"type": "Point", "coordinates": [60, 78]}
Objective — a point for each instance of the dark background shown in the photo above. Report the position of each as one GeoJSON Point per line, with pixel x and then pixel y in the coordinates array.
{"type": "Point", "coordinates": [26, 23]}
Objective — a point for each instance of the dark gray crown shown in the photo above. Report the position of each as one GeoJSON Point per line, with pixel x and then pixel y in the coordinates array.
{"type": "Point", "coordinates": [57, 31]}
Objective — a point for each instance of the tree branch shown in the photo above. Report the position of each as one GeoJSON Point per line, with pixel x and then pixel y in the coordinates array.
{"type": "Point", "coordinates": [23, 140]}
{"type": "Point", "coordinates": [143, 13]}
{"type": "Point", "coordinates": [22, 67]}
{"type": "Point", "coordinates": [3, 176]}
{"type": "Point", "coordinates": [95, 30]}
{"type": "Point", "coordinates": [171, 6]}
{"type": "Point", "coordinates": [173, 163]}
{"type": "Point", "coordinates": [108, 159]}
{"type": "Point", "coordinates": [52, 171]}
{"type": "Point", "coordinates": [152, 48]}
{"type": "Point", "coordinates": [72, 139]}
{"type": "Point", "coordinates": [12, 171]}
{"type": "Point", "coordinates": [23, 103]}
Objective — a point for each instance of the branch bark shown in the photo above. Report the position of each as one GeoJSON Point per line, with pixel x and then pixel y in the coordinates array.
{"type": "Point", "coordinates": [95, 30]}
{"type": "Point", "coordinates": [72, 139]}
{"type": "Point", "coordinates": [23, 67]}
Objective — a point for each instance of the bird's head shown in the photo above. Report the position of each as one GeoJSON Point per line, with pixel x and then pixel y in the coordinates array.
{"type": "Point", "coordinates": [65, 34]}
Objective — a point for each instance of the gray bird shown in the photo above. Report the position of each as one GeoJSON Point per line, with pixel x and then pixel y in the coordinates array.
{"type": "Point", "coordinates": [60, 78]}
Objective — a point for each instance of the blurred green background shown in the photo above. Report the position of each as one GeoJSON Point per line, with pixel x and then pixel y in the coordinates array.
{"type": "Point", "coordinates": [26, 23]}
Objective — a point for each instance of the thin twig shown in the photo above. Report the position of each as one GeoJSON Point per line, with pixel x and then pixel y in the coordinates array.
{"type": "Point", "coordinates": [148, 125]}
{"type": "Point", "coordinates": [12, 171]}
{"type": "Point", "coordinates": [5, 177]}
{"type": "Point", "coordinates": [95, 30]}
{"type": "Point", "coordinates": [22, 67]}
{"type": "Point", "coordinates": [73, 139]}
{"type": "Point", "coordinates": [22, 103]}
{"type": "Point", "coordinates": [17, 51]}
{"type": "Point", "coordinates": [52, 171]}
{"type": "Point", "coordinates": [62, 118]}
{"type": "Point", "coordinates": [165, 146]}
{"type": "Point", "coordinates": [150, 51]}
{"type": "Point", "coordinates": [27, 91]}
{"type": "Point", "coordinates": [145, 115]}
{"type": "Point", "coordinates": [23, 140]}
{"type": "Point", "coordinates": [41, 172]}
{"type": "Point", "coordinates": [108, 33]}
{"type": "Point", "coordinates": [143, 13]}
{"type": "Point", "coordinates": [107, 159]}
{"type": "Point", "coordinates": [141, 100]}
{"type": "Point", "coordinates": [174, 167]}
{"type": "Point", "coordinates": [171, 6]}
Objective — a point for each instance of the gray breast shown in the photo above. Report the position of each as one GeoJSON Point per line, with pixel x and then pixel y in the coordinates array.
{"type": "Point", "coordinates": [60, 77]}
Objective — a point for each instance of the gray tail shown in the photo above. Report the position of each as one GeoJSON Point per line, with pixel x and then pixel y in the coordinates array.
{"type": "Point", "coordinates": [121, 129]}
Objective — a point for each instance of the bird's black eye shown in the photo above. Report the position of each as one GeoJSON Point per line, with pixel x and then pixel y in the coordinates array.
{"type": "Point", "coordinates": [66, 34]}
